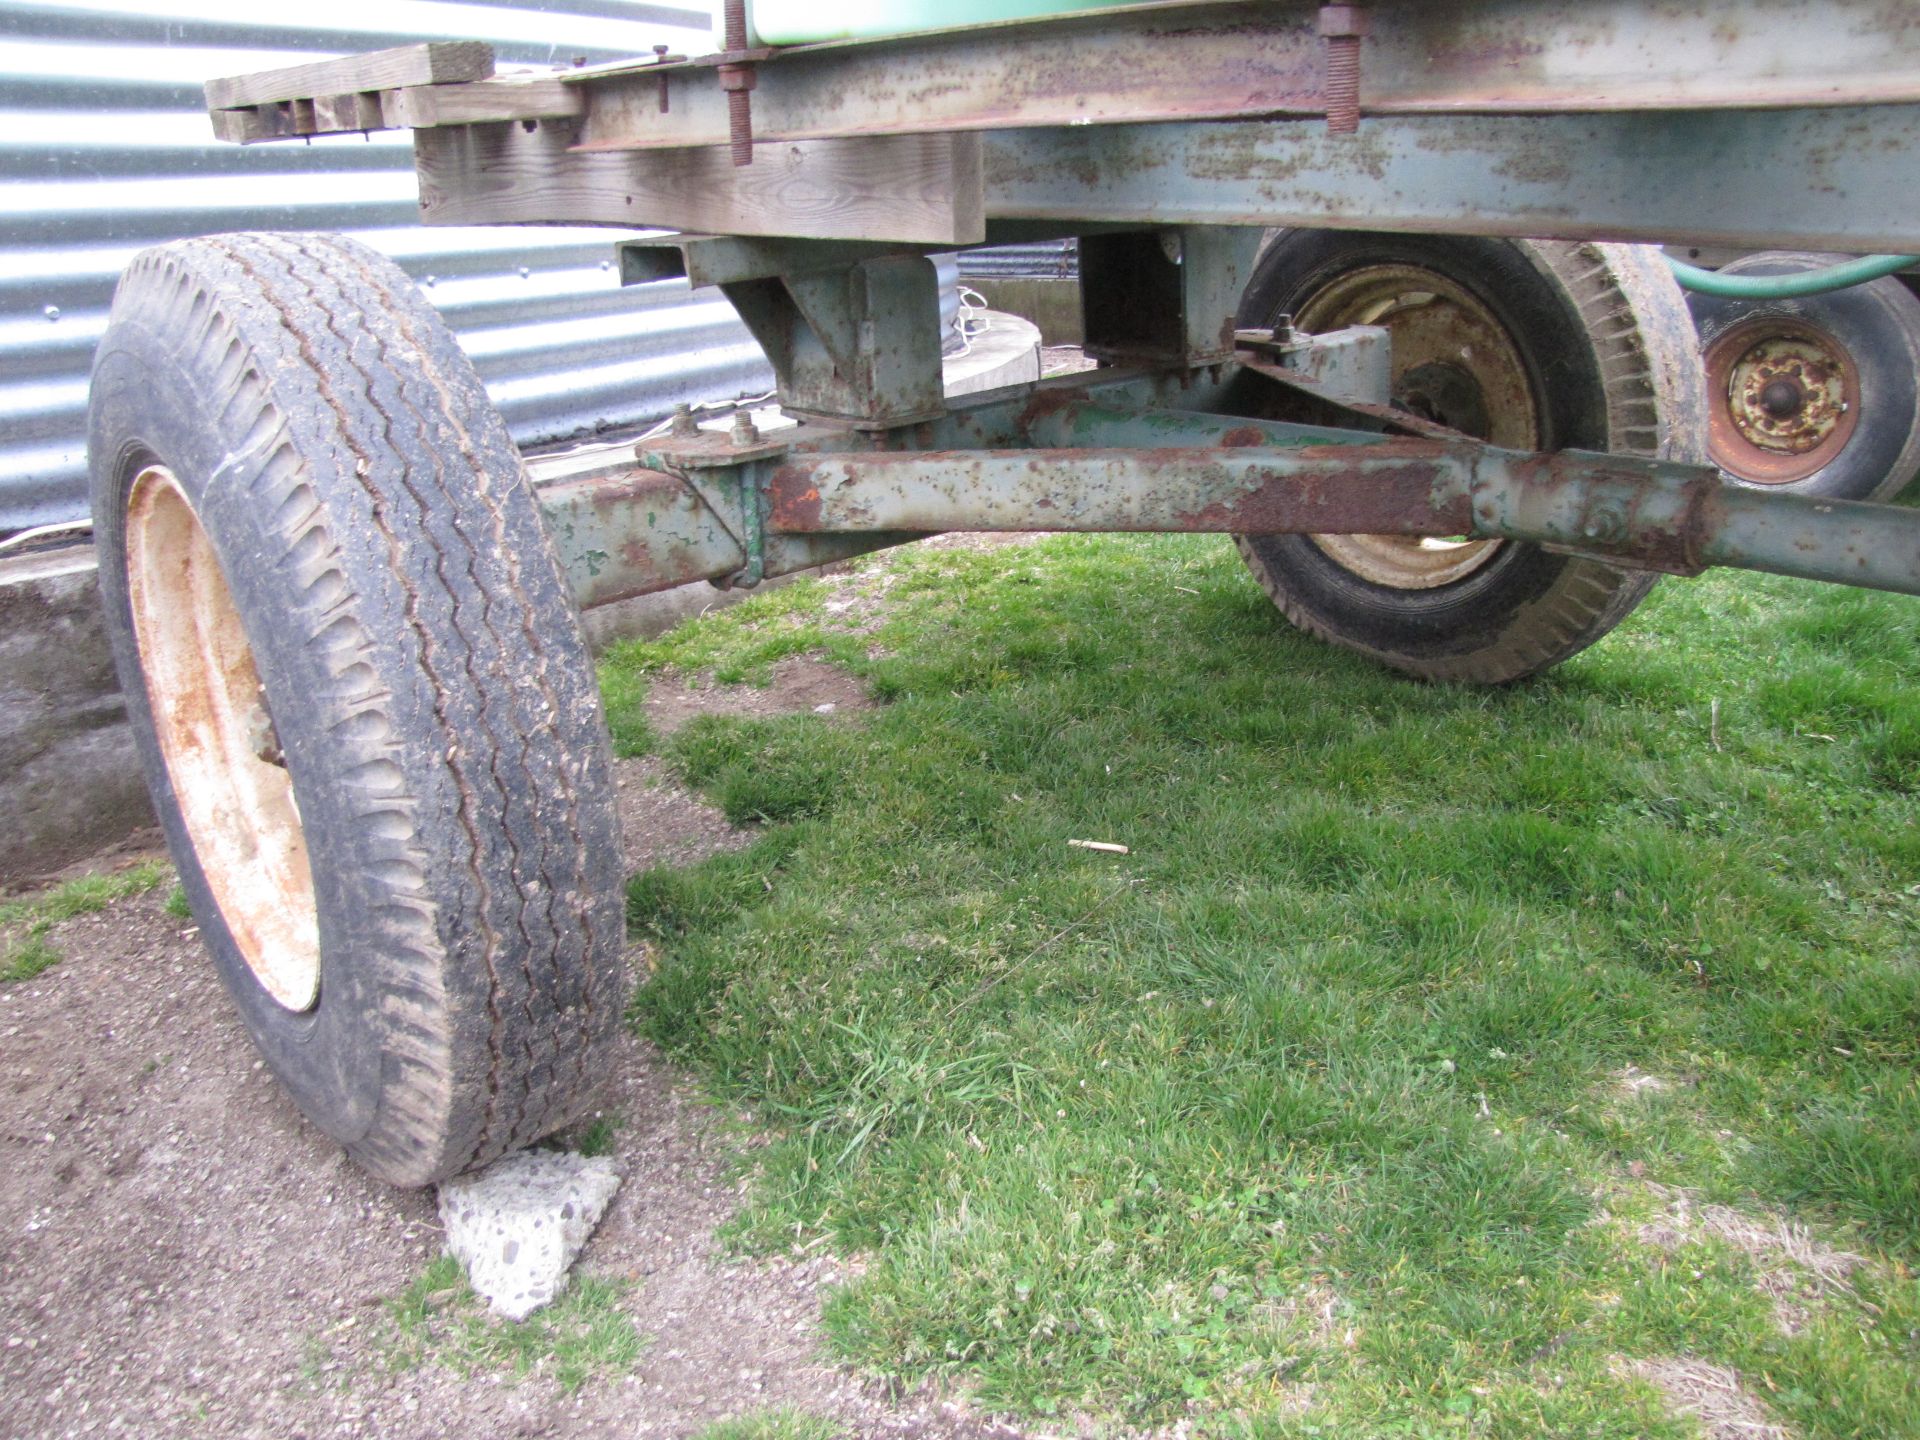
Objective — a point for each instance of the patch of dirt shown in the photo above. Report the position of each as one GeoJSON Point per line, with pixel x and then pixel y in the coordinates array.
{"type": "Point", "coordinates": [182, 1254]}
{"type": "Point", "coordinates": [801, 683]}
{"type": "Point", "coordinates": [1633, 1082]}
{"type": "Point", "coordinates": [1710, 1394]}
{"type": "Point", "coordinates": [1319, 1307]}
{"type": "Point", "coordinates": [1793, 1268]}
{"type": "Point", "coordinates": [144, 846]}
{"type": "Point", "coordinates": [664, 823]}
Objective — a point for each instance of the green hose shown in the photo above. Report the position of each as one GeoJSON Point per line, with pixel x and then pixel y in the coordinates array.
{"type": "Point", "coordinates": [1788, 287]}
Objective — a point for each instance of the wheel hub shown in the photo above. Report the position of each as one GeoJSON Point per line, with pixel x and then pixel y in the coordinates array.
{"type": "Point", "coordinates": [1784, 398]}
{"type": "Point", "coordinates": [1453, 363]}
{"type": "Point", "coordinates": [1787, 395]}
{"type": "Point", "coordinates": [223, 758]}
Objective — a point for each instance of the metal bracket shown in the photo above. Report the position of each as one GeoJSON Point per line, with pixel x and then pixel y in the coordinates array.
{"type": "Point", "coordinates": [857, 343]}
{"type": "Point", "coordinates": [725, 472]}
{"type": "Point", "coordinates": [729, 259]}
{"type": "Point", "coordinates": [1165, 297]}
{"type": "Point", "coordinates": [1354, 364]}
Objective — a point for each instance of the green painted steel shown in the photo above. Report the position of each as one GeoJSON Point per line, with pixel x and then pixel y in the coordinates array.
{"type": "Point", "coordinates": [1793, 286]}
{"type": "Point", "coordinates": [1571, 177]}
{"type": "Point", "coordinates": [1106, 454]}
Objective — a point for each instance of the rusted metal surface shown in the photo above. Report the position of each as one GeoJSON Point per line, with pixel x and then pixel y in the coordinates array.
{"type": "Point", "coordinates": [216, 738]}
{"type": "Point", "coordinates": [1783, 400]}
{"type": "Point", "coordinates": [1347, 364]}
{"type": "Point", "coordinates": [1652, 514]}
{"type": "Point", "coordinates": [737, 79]}
{"type": "Point", "coordinates": [1342, 27]}
{"type": "Point", "coordinates": [1682, 519]}
{"type": "Point", "coordinates": [1575, 177]}
{"type": "Point", "coordinates": [860, 343]}
{"type": "Point", "coordinates": [629, 534]}
{"type": "Point", "coordinates": [1255, 58]}
{"type": "Point", "coordinates": [634, 531]}
{"type": "Point", "coordinates": [1088, 424]}
{"type": "Point", "coordinates": [1401, 486]}
{"type": "Point", "coordinates": [1106, 453]}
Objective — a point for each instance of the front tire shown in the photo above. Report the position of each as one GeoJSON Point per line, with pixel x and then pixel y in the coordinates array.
{"type": "Point", "coordinates": [1533, 345]}
{"type": "Point", "coordinates": [359, 690]}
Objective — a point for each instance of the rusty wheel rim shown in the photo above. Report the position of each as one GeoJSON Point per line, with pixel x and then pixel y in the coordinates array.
{"type": "Point", "coordinates": [222, 756]}
{"type": "Point", "coordinates": [1784, 398]}
{"type": "Point", "coordinates": [1453, 362]}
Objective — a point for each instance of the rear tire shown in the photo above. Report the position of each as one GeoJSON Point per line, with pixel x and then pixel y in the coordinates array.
{"type": "Point", "coordinates": [357, 682]}
{"type": "Point", "coordinates": [1530, 344]}
{"type": "Point", "coordinates": [1849, 359]}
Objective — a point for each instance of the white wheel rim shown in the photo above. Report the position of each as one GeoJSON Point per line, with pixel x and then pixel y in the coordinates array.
{"type": "Point", "coordinates": [204, 691]}
{"type": "Point", "coordinates": [1433, 322]}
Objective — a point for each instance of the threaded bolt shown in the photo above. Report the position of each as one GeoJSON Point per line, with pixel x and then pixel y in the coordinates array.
{"type": "Point", "coordinates": [1341, 29]}
{"type": "Point", "coordinates": [737, 80]}
{"type": "Point", "coordinates": [740, 126]}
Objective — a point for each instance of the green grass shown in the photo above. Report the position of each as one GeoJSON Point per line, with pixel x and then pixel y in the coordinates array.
{"type": "Point", "coordinates": [25, 950]}
{"type": "Point", "coordinates": [593, 1137]}
{"type": "Point", "coordinates": [1302, 1118]}
{"type": "Point", "coordinates": [781, 1424]}
{"type": "Point", "coordinates": [582, 1336]}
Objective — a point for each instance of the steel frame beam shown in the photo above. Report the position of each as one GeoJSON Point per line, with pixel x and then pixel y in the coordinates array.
{"type": "Point", "coordinates": [1243, 58]}
{"type": "Point", "coordinates": [1708, 178]}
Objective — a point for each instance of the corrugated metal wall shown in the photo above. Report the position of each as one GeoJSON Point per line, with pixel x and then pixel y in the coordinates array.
{"type": "Point", "coordinates": [104, 149]}
{"type": "Point", "coordinates": [1035, 260]}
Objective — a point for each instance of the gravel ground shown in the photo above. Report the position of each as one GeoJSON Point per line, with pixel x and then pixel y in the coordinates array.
{"type": "Point", "coordinates": [182, 1254]}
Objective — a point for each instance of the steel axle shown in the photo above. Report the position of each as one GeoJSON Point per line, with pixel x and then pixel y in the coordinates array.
{"type": "Point", "coordinates": [1097, 453]}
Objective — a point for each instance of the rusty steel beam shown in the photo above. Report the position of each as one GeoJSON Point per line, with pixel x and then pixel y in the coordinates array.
{"type": "Point", "coordinates": [1651, 514]}
{"type": "Point", "coordinates": [1682, 519]}
{"type": "Point", "coordinates": [1706, 178]}
{"type": "Point", "coordinates": [632, 533]}
{"type": "Point", "coordinates": [1202, 61]}
{"type": "Point", "coordinates": [1402, 487]}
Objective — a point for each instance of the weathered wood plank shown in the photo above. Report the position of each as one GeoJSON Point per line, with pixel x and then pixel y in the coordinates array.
{"type": "Point", "coordinates": [919, 188]}
{"type": "Point", "coordinates": [440, 62]}
{"type": "Point", "coordinates": [504, 97]}
{"type": "Point", "coordinates": [540, 96]}
{"type": "Point", "coordinates": [336, 113]}
{"type": "Point", "coordinates": [244, 127]}
{"type": "Point", "coordinates": [292, 119]}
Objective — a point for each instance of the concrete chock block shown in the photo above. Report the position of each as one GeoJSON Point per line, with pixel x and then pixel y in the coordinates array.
{"type": "Point", "coordinates": [70, 781]}
{"type": "Point", "coordinates": [518, 1225]}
